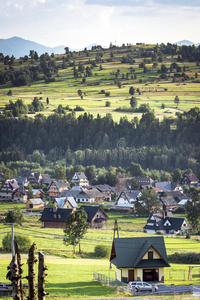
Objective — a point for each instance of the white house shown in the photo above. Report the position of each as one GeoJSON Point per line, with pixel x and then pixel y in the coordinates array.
{"type": "Point", "coordinates": [80, 179]}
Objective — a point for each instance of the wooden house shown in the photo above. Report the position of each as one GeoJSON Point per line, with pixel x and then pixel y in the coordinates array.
{"type": "Point", "coordinates": [55, 217]}
{"type": "Point", "coordinates": [20, 195]}
{"type": "Point", "coordinates": [190, 179]}
{"type": "Point", "coordinates": [169, 203]}
{"type": "Point", "coordinates": [38, 193]}
{"type": "Point", "coordinates": [166, 223]}
{"type": "Point", "coordinates": [80, 179]}
{"type": "Point", "coordinates": [34, 203]}
{"type": "Point", "coordinates": [96, 216]}
{"type": "Point", "coordinates": [127, 199]}
{"type": "Point", "coordinates": [89, 196]}
{"type": "Point", "coordinates": [56, 187]}
{"type": "Point", "coordinates": [8, 188]}
{"type": "Point", "coordinates": [139, 258]}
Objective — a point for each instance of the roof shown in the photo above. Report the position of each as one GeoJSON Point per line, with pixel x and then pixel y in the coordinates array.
{"type": "Point", "coordinates": [176, 223]}
{"type": "Point", "coordinates": [168, 201]}
{"type": "Point", "coordinates": [144, 180]}
{"type": "Point", "coordinates": [19, 190]}
{"type": "Point", "coordinates": [91, 211]}
{"type": "Point", "coordinates": [80, 175]}
{"type": "Point", "coordinates": [166, 185]}
{"type": "Point", "coordinates": [61, 201]}
{"type": "Point", "coordinates": [25, 173]}
{"type": "Point", "coordinates": [94, 193]}
{"type": "Point", "coordinates": [59, 183]}
{"type": "Point", "coordinates": [70, 193]}
{"type": "Point", "coordinates": [104, 188]}
{"type": "Point", "coordinates": [12, 183]}
{"type": "Point", "coordinates": [35, 191]}
{"type": "Point", "coordinates": [36, 201]}
{"type": "Point", "coordinates": [20, 180]}
{"type": "Point", "coordinates": [128, 252]}
{"type": "Point", "coordinates": [55, 215]}
{"type": "Point", "coordinates": [130, 194]}
{"type": "Point", "coordinates": [191, 177]}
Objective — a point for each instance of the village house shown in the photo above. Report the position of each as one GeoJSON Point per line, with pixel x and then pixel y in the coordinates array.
{"type": "Point", "coordinates": [127, 200]}
{"type": "Point", "coordinates": [190, 179]}
{"type": "Point", "coordinates": [55, 217]}
{"type": "Point", "coordinates": [169, 203]}
{"type": "Point", "coordinates": [34, 177]}
{"type": "Point", "coordinates": [56, 187]}
{"type": "Point", "coordinates": [8, 188]}
{"type": "Point", "coordinates": [38, 193]}
{"type": "Point", "coordinates": [46, 179]}
{"type": "Point", "coordinates": [89, 196]}
{"type": "Point", "coordinates": [139, 258]}
{"type": "Point", "coordinates": [22, 181]}
{"type": "Point", "coordinates": [66, 202]}
{"type": "Point", "coordinates": [80, 179]}
{"type": "Point", "coordinates": [167, 186]}
{"type": "Point", "coordinates": [166, 223]}
{"type": "Point", "coordinates": [141, 181]}
{"type": "Point", "coordinates": [35, 203]}
{"type": "Point", "coordinates": [96, 216]}
{"type": "Point", "coordinates": [20, 195]}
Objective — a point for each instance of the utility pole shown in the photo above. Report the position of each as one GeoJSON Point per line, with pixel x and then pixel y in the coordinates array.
{"type": "Point", "coordinates": [13, 246]}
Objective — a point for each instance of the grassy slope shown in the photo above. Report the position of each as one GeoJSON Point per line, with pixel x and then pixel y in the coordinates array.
{"type": "Point", "coordinates": [153, 90]}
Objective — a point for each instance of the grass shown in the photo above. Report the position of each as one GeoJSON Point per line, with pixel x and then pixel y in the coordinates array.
{"type": "Point", "coordinates": [153, 90]}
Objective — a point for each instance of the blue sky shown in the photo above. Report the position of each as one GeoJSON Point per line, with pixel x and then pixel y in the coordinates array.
{"type": "Point", "coordinates": [79, 23]}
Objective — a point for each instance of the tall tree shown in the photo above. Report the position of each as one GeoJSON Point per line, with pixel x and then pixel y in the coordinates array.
{"type": "Point", "coordinates": [133, 102]}
{"type": "Point", "coordinates": [131, 90]}
{"type": "Point", "coordinates": [76, 228]}
{"type": "Point", "coordinates": [176, 100]}
{"type": "Point", "coordinates": [193, 211]}
{"type": "Point", "coordinates": [148, 203]}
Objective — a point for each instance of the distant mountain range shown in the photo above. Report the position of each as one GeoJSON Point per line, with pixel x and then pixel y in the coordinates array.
{"type": "Point", "coordinates": [20, 47]}
{"type": "Point", "coordinates": [186, 43]}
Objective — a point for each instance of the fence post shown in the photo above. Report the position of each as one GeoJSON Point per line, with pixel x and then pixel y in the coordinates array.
{"type": "Point", "coordinates": [41, 277]}
{"type": "Point", "coordinates": [31, 273]}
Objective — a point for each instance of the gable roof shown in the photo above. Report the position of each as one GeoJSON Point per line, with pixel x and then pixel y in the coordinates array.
{"type": "Point", "coordinates": [36, 201]}
{"type": "Point", "coordinates": [21, 191]}
{"type": "Point", "coordinates": [130, 194]}
{"type": "Point", "coordinates": [92, 210]}
{"type": "Point", "coordinates": [94, 193]}
{"type": "Point", "coordinates": [55, 215]}
{"type": "Point", "coordinates": [58, 183]}
{"type": "Point", "coordinates": [166, 185]}
{"type": "Point", "coordinates": [173, 223]}
{"type": "Point", "coordinates": [62, 200]}
{"type": "Point", "coordinates": [128, 252]}
{"type": "Point", "coordinates": [35, 191]}
{"type": "Point", "coordinates": [168, 201]}
{"type": "Point", "coordinates": [191, 177]}
{"type": "Point", "coordinates": [80, 175]}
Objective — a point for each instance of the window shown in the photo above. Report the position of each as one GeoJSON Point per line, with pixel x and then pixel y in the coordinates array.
{"type": "Point", "coordinates": [150, 255]}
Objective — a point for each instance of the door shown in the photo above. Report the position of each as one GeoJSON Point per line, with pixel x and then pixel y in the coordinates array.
{"type": "Point", "coordinates": [130, 275]}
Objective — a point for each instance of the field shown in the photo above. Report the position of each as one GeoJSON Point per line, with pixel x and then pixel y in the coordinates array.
{"type": "Point", "coordinates": [153, 90]}
{"type": "Point", "coordinates": [71, 275]}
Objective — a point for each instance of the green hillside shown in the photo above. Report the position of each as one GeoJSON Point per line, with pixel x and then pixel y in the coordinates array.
{"type": "Point", "coordinates": [158, 73]}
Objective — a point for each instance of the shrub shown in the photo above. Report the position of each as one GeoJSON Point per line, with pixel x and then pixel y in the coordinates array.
{"type": "Point", "coordinates": [24, 242]}
{"type": "Point", "coordinates": [188, 235]}
{"type": "Point", "coordinates": [107, 94]}
{"type": "Point", "coordinates": [101, 251]}
{"type": "Point", "coordinates": [107, 104]}
{"type": "Point", "coordinates": [159, 232]}
{"type": "Point", "coordinates": [185, 258]}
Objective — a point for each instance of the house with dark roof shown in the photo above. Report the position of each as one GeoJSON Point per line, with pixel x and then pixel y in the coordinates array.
{"type": "Point", "coordinates": [55, 217]}
{"type": "Point", "coordinates": [56, 187]}
{"type": "Point", "coordinates": [169, 203]}
{"type": "Point", "coordinates": [167, 186]}
{"type": "Point", "coordinates": [139, 258]}
{"type": "Point", "coordinates": [34, 177]}
{"type": "Point", "coordinates": [190, 179]}
{"type": "Point", "coordinates": [22, 181]}
{"type": "Point", "coordinates": [80, 179]}
{"type": "Point", "coordinates": [34, 203]}
{"type": "Point", "coordinates": [96, 216]}
{"type": "Point", "coordinates": [20, 195]}
{"type": "Point", "coordinates": [166, 223]}
{"type": "Point", "coordinates": [46, 179]}
{"type": "Point", "coordinates": [127, 199]}
{"type": "Point", "coordinates": [8, 188]}
{"type": "Point", "coordinates": [142, 181]}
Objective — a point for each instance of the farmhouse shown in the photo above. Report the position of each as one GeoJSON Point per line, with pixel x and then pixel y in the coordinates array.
{"type": "Point", "coordinates": [20, 195]}
{"type": "Point", "coordinates": [56, 187]}
{"type": "Point", "coordinates": [38, 193]}
{"type": "Point", "coordinates": [167, 186]}
{"type": "Point", "coordinates": [8, 188]}
{"type": "Point", "coordinates": [166, 223]}
{"type": "Point", "coordinates": [190, 179]}
{"type": "Point", "coordinates": [169, 203]}
{"type": "Point", "coordinates": [80, 179]}
{"type": "Point", "coordinates": [127, 199]}
{"type": "Point", "coordinates": [139, 258]}
{"type": "Point", "coordinates": [89, 196]}
{"type": "Point", "coordinates": [96, 216]}
{"type": "Point", "coordinates": [34, 203]}
{"type": "Point", "coordinates": [55, 217]}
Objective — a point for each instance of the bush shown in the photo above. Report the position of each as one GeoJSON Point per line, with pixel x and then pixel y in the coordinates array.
{"type": "Point", "coordinates": [107, 104]}
{"type": "Point", "coordinates": [107, 94]}
{"type": "Point", "coordinates": [185, 258]}
{"type": "Point", "coordinates": [188, 236]}
{"type": "Point", "coordinates": [24, 242]}
{"type": "Point", "coordinates": [101, 251]}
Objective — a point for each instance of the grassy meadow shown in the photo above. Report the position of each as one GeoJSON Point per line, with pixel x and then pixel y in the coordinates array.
{"type": "Point", "coordinates": [153, 90]}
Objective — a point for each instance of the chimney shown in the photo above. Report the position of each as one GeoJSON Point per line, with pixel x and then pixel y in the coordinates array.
{"type": "Point", "coordinates": [54, 209]}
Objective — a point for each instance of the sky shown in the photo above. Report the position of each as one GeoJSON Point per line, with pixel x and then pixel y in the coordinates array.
{"type": "Point", "coordinates": [80, 23]}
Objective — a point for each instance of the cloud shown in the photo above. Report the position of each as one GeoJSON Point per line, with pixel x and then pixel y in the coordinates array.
{"type": "Point", "coordinates": [195, 3]}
